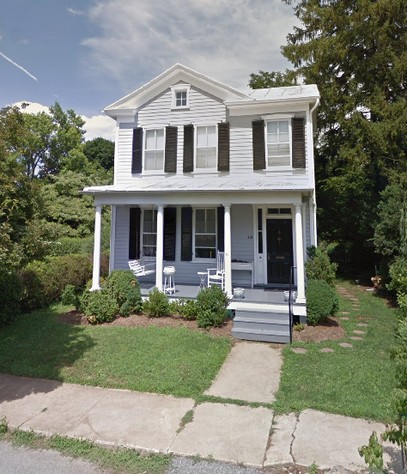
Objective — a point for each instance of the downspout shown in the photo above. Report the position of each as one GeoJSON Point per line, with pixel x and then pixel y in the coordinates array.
{"type": "Point", "coordinates": [314, 203]}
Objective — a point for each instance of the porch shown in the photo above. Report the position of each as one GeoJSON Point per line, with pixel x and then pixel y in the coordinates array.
{"type": "Point", "coordinates": [262, 315]}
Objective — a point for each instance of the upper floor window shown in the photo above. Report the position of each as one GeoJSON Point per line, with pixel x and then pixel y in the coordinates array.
{"type": "Point", "coordinates": [180, 96]}
{"type": "Point", "coordinates": [154, 150]}
{"type": "Point", "coordinates": [206, 147]}
{"type": "Point", "coordinates": [278, 143]}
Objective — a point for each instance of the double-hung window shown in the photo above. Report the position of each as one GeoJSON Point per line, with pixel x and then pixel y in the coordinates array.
{"type": "Point", "coordinates": [206, 147]}
{"type": "Point", "coordinates": [205, 233]}
{"type": "Point", "coordinates": [278, 143]}
{"type": "Point", "coordinates": [149, 236]}
{"type": "Point", "coordinates": [180, 96]}
{"type": "Point", "coordinates": [154, 150]}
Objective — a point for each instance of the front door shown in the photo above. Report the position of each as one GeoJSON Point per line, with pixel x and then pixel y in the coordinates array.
{"type": "Point", "coordinates": [279, 250]}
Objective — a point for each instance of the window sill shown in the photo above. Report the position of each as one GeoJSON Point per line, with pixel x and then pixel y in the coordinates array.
{"type": "Point", "coordinates": [185, 107]}
{"type": "Point", "coordinates": [206, 171]}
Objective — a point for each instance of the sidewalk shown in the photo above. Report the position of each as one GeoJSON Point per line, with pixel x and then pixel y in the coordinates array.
{"type": "Point", "coordinates": [226, 432]}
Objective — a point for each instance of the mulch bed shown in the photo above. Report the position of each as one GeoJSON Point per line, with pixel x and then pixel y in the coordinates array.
{"type": "Point", "coordinates": [330, 330]}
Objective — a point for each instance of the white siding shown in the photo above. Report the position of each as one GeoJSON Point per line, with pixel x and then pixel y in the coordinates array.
{"type": "Point", "coordinates": [124, 154]}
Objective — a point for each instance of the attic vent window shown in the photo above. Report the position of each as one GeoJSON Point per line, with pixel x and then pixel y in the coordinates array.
{"type": "Point", "coordinates": [180, 96]}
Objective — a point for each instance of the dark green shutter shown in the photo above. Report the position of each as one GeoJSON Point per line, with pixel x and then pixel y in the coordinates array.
{"type": "Point", "coordinates": [223, 146]}
{"type": "Point", "coordinates": [259, 147]}
{"type": "Point", "coordinates": [170, 225]}
{"type": "Point", "coordinates": [188, 148]}
{"type": "Point", "coordinates": [171, 149]}
{"type": "Point", "coordinates": [221, 228]}
{"type": "Point", "coordinates": [137, 151]}
{"type": "Point", "coordinates": [134, 233]}
{"type": "Point", "coordinates": [186, 234]}
{"type": "Point", "coordinates": [298, 142]}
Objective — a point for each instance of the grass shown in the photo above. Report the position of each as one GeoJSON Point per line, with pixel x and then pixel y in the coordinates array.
{"type": "Point", "coordinates": [174, 361]}
{"type": "Point", "coordinates": [118, 460]}
{"type": "Point", "coordinates": [354, 382]}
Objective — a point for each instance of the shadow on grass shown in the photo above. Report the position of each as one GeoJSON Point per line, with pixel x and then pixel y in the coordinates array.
{"type": "Point", "coordinates": [37, 346]}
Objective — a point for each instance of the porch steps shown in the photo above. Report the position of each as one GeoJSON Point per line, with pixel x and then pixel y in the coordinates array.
{"type": "Point", "coordinates": [262, 324]}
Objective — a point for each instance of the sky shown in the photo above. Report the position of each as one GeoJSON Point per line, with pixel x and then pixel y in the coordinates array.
{"type": "Point", "coordinates": [86, 54]}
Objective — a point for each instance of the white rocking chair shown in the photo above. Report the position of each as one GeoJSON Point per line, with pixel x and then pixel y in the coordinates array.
{"type": "Point", "coordinates": [216, 276]}
{"type": "Point", "coordinates": [138, 269]}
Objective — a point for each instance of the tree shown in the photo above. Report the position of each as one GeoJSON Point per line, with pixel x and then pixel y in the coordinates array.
{"type": "Point", "coordinates": [266, 79]}
{"type": "Point", "coordinates": [48, 140]}
{"type": "Point", "coordinates": [356, 52]}
{"type": "Point", "coordinates": [99, 150]}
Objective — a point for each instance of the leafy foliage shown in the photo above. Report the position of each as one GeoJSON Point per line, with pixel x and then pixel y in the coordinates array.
{"type": "Point", "coordinates": [373, 454]}
{"type": "Point", "coordinates": [187, 309]}
{"type": "Point", "coordinates": [101, 151]}
{"type": "Point", "coordinates": [322, 301]}
{"type": "Point", "coordinates": [319, 265]}
{"type": "Point", "coordinates": [100, 306]}
{"type": "Point", "coordinates": [157, 304]}
{"type": "Point", "coordinates": [10, 294]}
{"type": "Point", "coordinates": [211, 304]}
{"type": "Point", "coordinates": [125, 289]}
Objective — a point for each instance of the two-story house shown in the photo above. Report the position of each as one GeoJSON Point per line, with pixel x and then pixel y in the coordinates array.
{"type": "Point", "coordinates": [201, 167]}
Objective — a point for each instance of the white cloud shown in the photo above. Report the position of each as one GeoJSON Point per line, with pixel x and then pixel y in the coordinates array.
{"type": "Point", "coordinates": [95, 126]}
{"type": "Point", "coordinates": [99, 126]}
{"type": "Point", "coordinates": [74, 11]}
{"type": "Point", "coordinates": [225, 39]}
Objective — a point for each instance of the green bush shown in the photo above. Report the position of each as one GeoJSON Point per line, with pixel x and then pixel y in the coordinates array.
{"type": "Point", "coordinates": [187, 309]}
{"type": "Point", "coordinates": [322, 301]}
{"type": "Point", "coordinates": [211, 305]}
{"type": "Point", "coordinates": [44, 281]}
{"type": "Point", "coordinates": [99, 306]}
{"type": "Point", "coordinates": [125, 288]}
{"type": "Point", "coordinates": [32, 296]}
{"type": "Point", "coordinates": [319, 265]}
{"type": "Point", "coordinates": [70, 296]}
{"type": "Point", "coordinates": [10, 295]}
{"type": "Point", "coordinates": [157, 304]}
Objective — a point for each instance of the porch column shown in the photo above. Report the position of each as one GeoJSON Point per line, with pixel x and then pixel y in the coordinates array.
{"type": "Point", "coordinates": [159, 248]}
{"type": "Point", "coordinates": [228, 251]}
{"type": "Point", "coordinates": [96, 249]}
{"type": "Point", "coordinates": [299, 248]}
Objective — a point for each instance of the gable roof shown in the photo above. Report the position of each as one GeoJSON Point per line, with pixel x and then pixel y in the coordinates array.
{"type": "Point", "coordinates": [173, 75]}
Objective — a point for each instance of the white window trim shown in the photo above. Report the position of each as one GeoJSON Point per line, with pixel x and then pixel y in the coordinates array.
{"type": "Point", "coordinates": [205, 170]}
{"type": "Point", "coordinates": [180, 88]}
{"type": "Point", "coordinates": [144, 257]}
{"type": "Point", "coordinates": [278, 118]}
{"type": "Point", "coordinates": [198, 259]}
{"type": "Point", "coordinates": [152, 172]}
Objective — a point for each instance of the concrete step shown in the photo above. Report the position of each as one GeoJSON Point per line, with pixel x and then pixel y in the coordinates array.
{"type": "Point", "coordinates": [262, 335]}
{"type": "Point", "coordinates": [260, 325]}
{"type": "Point", "coordinates": [261, 317]}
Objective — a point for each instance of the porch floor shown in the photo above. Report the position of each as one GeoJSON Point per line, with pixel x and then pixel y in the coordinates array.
{"type": "Point", "coordinates": [255, 295]}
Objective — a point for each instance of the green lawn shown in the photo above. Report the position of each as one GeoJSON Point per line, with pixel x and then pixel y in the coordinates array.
{"type": "Point", "coordinates": [354, 382]}
{"type": "Point", "coordinates": [172, 361]}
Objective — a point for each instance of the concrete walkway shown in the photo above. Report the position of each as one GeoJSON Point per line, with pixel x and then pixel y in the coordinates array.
{"type": "Point", "coordinates": [252, 436]}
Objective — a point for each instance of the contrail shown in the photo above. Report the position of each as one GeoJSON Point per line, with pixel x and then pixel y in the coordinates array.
{"type": "Point", "coordinates": [17, 65]}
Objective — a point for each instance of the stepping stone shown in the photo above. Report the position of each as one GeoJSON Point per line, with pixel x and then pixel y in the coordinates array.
{"type": "Point", "coordinates": [344, 312]}
{"type": "Point", "coordinates": [326, 349]}
{"type": "Point", "coordinates": [299, 350]}
{"type": "Point", "coordinates": [356, 331]}
{"type": "Point", "coordinates": [344, 318]}
{"type": "Point", "coordinates": [361, 324]}
{"type": "Point", "coordinates": [345, 344]}
{"type": "Point", "coordinates": [356, 338]}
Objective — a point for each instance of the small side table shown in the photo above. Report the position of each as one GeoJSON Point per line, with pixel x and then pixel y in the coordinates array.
{"type": "Point", "coordinates": [202, 279]}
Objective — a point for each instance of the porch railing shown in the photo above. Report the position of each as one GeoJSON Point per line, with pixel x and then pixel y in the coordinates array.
{"type": "Point", "coordinates": [290, 302]}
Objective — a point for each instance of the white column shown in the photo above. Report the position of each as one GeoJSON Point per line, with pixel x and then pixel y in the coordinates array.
{"type": "Point", "coordinates": [160, 248]}
{"type": "Point", "coordinates": [299, 248]}
{"type": "Point", "coordinates": [96, 249]}
{"type": "Point", "coordinates": [112, 256]}
{"type": "Point", "coordinates": [228, 251]}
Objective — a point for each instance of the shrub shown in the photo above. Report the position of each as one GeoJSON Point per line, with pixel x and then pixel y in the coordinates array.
{"type": "Point", "coordinates": [157, 304]}
{"type": "Point", "coordinates": [10, 295]}
{"type": "Point", "coordinates": [319, 265]}
{"type": "Point", "coordinates": [70, 296]}
{"type": "Point", "coordinates": [187, 309]}
{"type": "Point", "coordinates": [211, 305]}
{"type": "Point", "coordinates": [322, 301]}
{"type": "Point", "coordinates": [99, 306]}
{"type": "Point", "coordinates": [125, 288]}
{"type": "Point", "coordinates": [32, 295]}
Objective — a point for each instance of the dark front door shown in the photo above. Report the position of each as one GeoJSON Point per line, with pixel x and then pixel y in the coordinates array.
{"type": "Point", "coordinates": [279, 250]}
